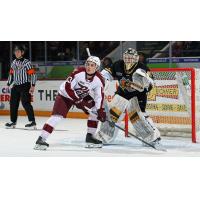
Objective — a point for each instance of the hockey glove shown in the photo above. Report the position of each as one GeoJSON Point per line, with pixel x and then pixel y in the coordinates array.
{"type": "Point", "coordinates": [89, 101]}
{"type": "Point", "coordinates": [80, 104]}
{"type": "Point", "coordinates": [101, 115]}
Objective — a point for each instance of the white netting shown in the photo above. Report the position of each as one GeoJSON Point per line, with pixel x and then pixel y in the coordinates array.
{"type": "Point", "coordinates": [169, 103]}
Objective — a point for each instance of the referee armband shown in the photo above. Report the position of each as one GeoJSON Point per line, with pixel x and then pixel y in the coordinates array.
{"type": "Point", "coordinates": [31, 71]}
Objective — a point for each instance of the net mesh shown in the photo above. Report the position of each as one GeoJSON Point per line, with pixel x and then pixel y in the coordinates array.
{"type": "Point", "coordinates": [169, 102]}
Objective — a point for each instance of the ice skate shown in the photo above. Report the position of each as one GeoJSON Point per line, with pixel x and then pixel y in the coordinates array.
{"type": "Point", "coordinates": [92, 142]}
{"type": "Point", "coordinates": [40, 144]}
{"type": "Point", "coordinates": [31, 125]}
{"type": "Point", "coordinates": [10, 125]}
{"type": "Point", "coordinates": [157, 144]}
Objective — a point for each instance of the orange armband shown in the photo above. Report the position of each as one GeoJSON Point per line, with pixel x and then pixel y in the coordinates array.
{"type": "Point", "coordinates": [11, 71]}
{"type": "Point", "coordinates": [31, 71]}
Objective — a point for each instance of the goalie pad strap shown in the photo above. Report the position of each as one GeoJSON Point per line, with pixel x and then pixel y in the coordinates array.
{"type": "Point", "coordinates": [115, 110]}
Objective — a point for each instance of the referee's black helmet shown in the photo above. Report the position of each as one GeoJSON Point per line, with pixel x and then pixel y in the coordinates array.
{"type": "Point", "coordinates": [19, 47]}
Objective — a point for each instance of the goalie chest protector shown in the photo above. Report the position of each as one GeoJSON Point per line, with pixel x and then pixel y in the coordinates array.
{"type": "Point", "coordinates": [118, 73]}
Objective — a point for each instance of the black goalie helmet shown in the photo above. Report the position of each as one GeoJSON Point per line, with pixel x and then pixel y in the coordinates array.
{"type": "Point", "coordinates": [131, 58]}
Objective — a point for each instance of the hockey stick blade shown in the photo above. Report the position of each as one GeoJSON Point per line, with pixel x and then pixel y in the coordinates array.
{"type": "Point", "coordinates": [136, 137]}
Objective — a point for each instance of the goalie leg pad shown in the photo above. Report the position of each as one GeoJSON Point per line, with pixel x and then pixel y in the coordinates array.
{"type": "Point", "coordinates": [142, 123]}
{"type": "Point", "coordinates": [116, 108]}
{"type": "Point", "coordinates": [107, 133]}
{"type": "Point", "coordinates": [115, 112]}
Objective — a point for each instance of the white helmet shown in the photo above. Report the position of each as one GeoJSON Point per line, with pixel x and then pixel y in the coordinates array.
{"type": "Point", "coordinates": [95, 60]}
{"type": "Point", "coordinates": [131, 59]}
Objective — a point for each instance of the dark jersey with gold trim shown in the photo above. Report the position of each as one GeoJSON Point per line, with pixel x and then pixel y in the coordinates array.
{"type": "Point", "coordinates": [118, 72]}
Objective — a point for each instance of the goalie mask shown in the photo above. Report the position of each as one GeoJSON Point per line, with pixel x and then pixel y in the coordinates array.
{"type": "Point", "coordinates": [131, 59]}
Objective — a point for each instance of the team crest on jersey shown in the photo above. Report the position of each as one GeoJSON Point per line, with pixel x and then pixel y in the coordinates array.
{"type": "Point", "coordinates": [126, 84]}
{"type": "Point", "coordinates": [82, 91]}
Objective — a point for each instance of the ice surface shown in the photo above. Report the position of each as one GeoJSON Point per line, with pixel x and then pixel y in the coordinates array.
{"type": "Point", "coordinates": [68, 140]}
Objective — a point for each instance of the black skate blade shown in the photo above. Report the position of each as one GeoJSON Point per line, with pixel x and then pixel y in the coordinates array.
{"type": "Point", "coordinates": [93, 146]}
{"type": "Point", "coordinates": [40, 147]}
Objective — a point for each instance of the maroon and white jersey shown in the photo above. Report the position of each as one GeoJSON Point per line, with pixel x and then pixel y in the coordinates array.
{"type": "Point", "coordinates": [77, 87]}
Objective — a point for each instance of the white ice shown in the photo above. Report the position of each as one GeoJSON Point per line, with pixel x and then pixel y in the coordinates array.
{"type": "Point", "coordinates": [68, 140]}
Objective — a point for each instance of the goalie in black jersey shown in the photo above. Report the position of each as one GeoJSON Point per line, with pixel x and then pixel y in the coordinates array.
{"type": "Point", "coordinates": [134, 84]}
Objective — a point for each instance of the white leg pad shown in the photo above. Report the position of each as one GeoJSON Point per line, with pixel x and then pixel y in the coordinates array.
{"type": "Point", "coordinates": [115, 112]}
{"type": "Point", "coordinates": [142, 124]}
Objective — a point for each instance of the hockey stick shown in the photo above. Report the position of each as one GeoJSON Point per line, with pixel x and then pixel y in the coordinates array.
{"type": "Point", "coordinates": [88, 52]}
{"type": "Point", "coordinates": [131, 134]}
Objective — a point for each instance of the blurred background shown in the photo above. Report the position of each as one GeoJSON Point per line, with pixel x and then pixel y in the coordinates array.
{"type": "Point", "coordinates": [55, 59]}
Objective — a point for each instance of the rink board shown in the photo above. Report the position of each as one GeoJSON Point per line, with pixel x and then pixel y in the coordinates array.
{"type": "Point", "coordinates": [46, 91]}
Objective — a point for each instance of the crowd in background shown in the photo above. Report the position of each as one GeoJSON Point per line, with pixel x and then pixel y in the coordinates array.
{"type": "Point", "coordinates": [67, 51]}
{"type": "Point", "coordinates": [184, 49]}
{"type": "Point", "coordinates": [39, 51]}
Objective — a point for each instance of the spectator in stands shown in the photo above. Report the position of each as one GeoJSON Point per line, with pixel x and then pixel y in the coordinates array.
{"type": "Point", "coordinates": [107, 63]}
{"type": "Point", "coordinates": [53, 50]}
{"type": "Point", "coordinates": [177, 50]}
{"type": "Point", "coordinates": [68, 55]}
{"type": "Point", "coordinates": [142, 57]}
{"type": "Point", "coordinates": [101, 49]}
{"type": "Point", "coordinates": [191, 48]}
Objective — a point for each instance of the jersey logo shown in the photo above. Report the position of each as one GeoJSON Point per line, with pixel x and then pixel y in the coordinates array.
{"type": "Point", "coordinates": [126, 84]}
{"type": "Point", "coordinates": [82, 91]}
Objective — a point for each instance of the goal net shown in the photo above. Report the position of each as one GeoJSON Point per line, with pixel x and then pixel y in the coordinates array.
{"type": "Point", "coordinates": [174, 102]}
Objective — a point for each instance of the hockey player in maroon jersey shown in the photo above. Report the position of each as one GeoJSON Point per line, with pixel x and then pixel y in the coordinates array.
{"type": "Point", "coordinates": [83, 88]}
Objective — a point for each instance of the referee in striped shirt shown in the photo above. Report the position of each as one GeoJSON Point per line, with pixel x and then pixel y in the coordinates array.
{"type": "Point", "coordinates": [22, 77]}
